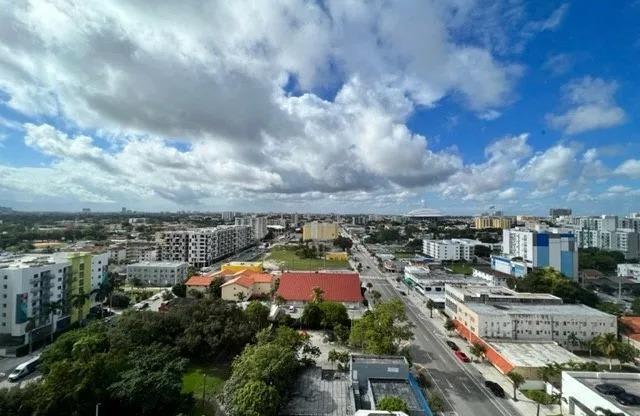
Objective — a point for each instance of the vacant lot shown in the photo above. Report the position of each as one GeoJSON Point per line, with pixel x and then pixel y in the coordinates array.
{"type": "Point", "coordinates": [461, 268]}
{"type": "Point", "coordinates": [289, 260]}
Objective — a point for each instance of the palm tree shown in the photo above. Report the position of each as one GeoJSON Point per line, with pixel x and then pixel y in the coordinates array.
{"type": "Point", "coordinates": [317, 295]}
{"type": "Point", "coordinates": [431, 304]}
{"type": "Point", "coordinates": [31, 325]}
{"type": "Point", "coordinates": [78, 301]}
{"type": "Point", "coordinates": [369, 285]}
{"type": "Point", "coordinates": [51, 308]}
{"type": "Point", "coordinates": [240, 296]}
{"type": "Point", "coordinates": [518, 380]}
{"type": "Point", "coordinates": [607, 343]}
{"type": "Point", "coordinates": [478, 350]}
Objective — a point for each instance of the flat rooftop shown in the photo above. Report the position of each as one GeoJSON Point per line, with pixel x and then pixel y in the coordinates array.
{"type": "Point", "coordinates": [499, 291]}
{"type": "Point", "coordinates": [506, 309]}
{"type": "Point", "coordinates": [378, 359]}
{"type": "Point", "coordinates": [630, 382]}
{"type": "Point", "coordinates": [533, 354]}
{"type": "Point", "coordinates": [396, 388]}
{"type": "Point", "coordinates": [319, 392]}
{"type": "Point", "coordinates": [157, 264]}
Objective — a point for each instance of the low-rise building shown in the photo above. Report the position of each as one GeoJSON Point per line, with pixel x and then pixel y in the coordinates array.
{"type": "Point", "coordinates": [631, 270]}
{"type": "Point", "coordinates": [158, 273]}
{"type": "Point", "coordinates": [445, 250]}
{"type": "Point", "coordinates": [512, 266]}
{"type": "Point", "coordinates": [582, 398]}
{"type": "Point", "coordinates": [502, 313]}
{"type": "Point", "coordinates": [199, 283]}
{"type": "Point", "coordinates": [297, 288]}
{"type": "Point", "coordinates": [247, 285]}
{"type": "Point", "coordinates": [491, 276]}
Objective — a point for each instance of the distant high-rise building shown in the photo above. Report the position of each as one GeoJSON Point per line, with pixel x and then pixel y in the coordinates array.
{"type": "Point", "coordinates": [86, 210]}
{"type": "Point", "coordinates": [228, 215]}
{"type": "Point", "coordinates": [559, 212]}
{"type": "Point", "coordinates": [258, 224]}
{"type": "Point", "coordinates": [124, 210]}
{"type": "Point", "coordinates": [484, 222]}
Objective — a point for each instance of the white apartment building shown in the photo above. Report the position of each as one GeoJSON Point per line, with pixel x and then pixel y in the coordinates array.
{"type": "Point", "coordinates": [258, 224]}
{"type": "Point", "coordinates": [631, 270]}
{"type": "Point", "coordinates": [501, 313]}
{"type": "Point", "coordinates": [158, 273]}
{"type": "Point", "coordinates": [447, 250]}
{"type": "Point", "coordinates": [27, 285]}
{"type": "Point", "coordinates": [201, 247]}
{"type": "Point", "coordinates": [626, 240]}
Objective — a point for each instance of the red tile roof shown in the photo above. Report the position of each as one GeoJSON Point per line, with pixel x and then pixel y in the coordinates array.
{"type": "Point", "coordinates": [632, 323]}
{"type": "Point", "coordinates": [337, 287]}
{"type": "Point", "coordinates": [248, 279]}
{"type": "Point", "coordinates": [199, 280]}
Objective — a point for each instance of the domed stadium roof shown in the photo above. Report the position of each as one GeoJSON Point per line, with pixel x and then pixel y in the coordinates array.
{"type": "Point", "coordinates": [423, 213]}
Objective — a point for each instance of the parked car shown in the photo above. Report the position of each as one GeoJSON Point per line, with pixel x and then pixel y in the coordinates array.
{"type": "Point", "coordinates": [495, 388]}
{"type": "Point", "coordinates": [610, 389]}
{"type": "Point", "coordinates": [403, 293]}
{"type": "Point", "coordinates": [628, 399]}
{"type": "Point", "coordinates": [24, 369]}
{"type": "Point", "coordinates": [462, 356]}
{"type": "Point", "coordinates": [453, 345]}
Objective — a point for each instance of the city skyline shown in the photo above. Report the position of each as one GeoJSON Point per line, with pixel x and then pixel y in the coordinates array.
{"type": "Point", "coordinates": [319, 107]}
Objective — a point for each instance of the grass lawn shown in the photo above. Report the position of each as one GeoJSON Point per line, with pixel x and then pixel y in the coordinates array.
{"type": "Point", "coordinates": [289, 260]}
{"type": "Point", "coordinates": [193, 379]}
{"type": "Point", "coordinates": [461, 268]}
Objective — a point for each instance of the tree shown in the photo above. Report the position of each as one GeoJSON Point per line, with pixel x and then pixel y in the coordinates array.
{"type": "Point", "coordinates": [180, 290]}
{"type": "Point", "coordinates": [573, 340]}
{"type": "Point", "coordinates": [257, 315]}
{"type": "Point", "coordinates": [241, 296]}
{"type": "Point", "coordinates": [551, 281]}
{"type": "Point", "coordinates": [518, 380]}
{"type": "Point", "coordinates": [625, 353]}
{"type": "Point", "coordinates": [369, 285]}
{"type": "Point", "coordinates": [195, 293]}
{"type": "Point", "coordinates": [255, 398]}
{"type": "Point", "coordinates": [607, 344]}
{"type": "Point", "coordinates": [317, 295]}
{"type": "Point", "coordinates": [383, 329]}
{"type": "Point", "coordinates": [430, 305]}
{"type": "Point", "coordinates": [119, 300]}
{"type": "Point", "coordinates": [215, 288]}
{"type": "Point", "coordinates": [343, 242]}
{"type": "Point", "coordinates": [449, 325]}
{"type": "Point", "coordinates": [610, 308]}
{"type": "Point", "coordinates": [392, 404]}
{"type": "Point", "coordinates": [333, 313]}
{"type": "Point", "coordinates": [376, 296]}
{"type": "Point", "coordinates": [339, 357]}
{"type": "Point", "coordinates": [312, 316]}
{"type": "Point", "coordinates": [482, 251]}
{"type": "Point", "coordinates": [635, 306]}
{"type": "Point", "coordinates": [541, 398]}
{"type": "Point", "coordinates": [51, 309]}
{"type": "Point", "coordinates": [478, 350]}
{"type": "Point", "coordinates": [436, 402]}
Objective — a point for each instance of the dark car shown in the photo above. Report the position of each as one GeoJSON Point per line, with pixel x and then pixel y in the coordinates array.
{"type": "Point", "coordinates": [495, 388]}
{"type": "Point", "coordinates": [628, 399]}
{"type": "Point", "coordinates": [403, 293]}
{"type": "Point", "coordinates": [610, 389]}
{"type": "Point", "coordinates": [453, 345]}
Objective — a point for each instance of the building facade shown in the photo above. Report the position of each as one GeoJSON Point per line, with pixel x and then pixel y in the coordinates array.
{"type": "Point", "coordinates": [447, 250]}
{"type": "Point", "coordinates": [158, 273]}
{"type": "Point", "coordinates": [257, 224]}
{"type": "Point", "coordinates": [631, 270]}
{"type": "Point", "coordinates": [559, 212]}
{"type": "Point", "coordinates": [542, 249]}
{"type": "Point", "coordinates": [319, 231]}
{"type": "Point", "coordinates": [484, 222]}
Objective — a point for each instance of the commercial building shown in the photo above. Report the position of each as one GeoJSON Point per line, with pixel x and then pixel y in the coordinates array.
{"type": "Point", "coordinates": [319, 231]}
{"type": "Point", "coordinates": [507, 265]}
{"type": "Point", "coordinates": [582, 398]}
{"type": "Point", "coordinates": [491, 276]}
{"type": "Point", "coordinates": [201, 247]}
{"type": "Point", "coordinates": [559, 212]}
{"type": "Point", "coordinates": [257, 224]}
{"type": "Point", "coordinates": [158, 273]}
{"type": "Point", "coordinates": [484, 222]}
{"type": "Point", "coordinates": [501, 313]}
{"type": "Point", "coordinates": [247, 285]}
{"type": "Point", "coordinates": [631, 270]}
{"type": "Point", "coordinates": [297, 288]}
{"type": "Point", "coordinates": [28, 286]}
{"type": "Point", "coordinates": [447, 250]}
{"type": "Point", "coordinates": [542, 249]}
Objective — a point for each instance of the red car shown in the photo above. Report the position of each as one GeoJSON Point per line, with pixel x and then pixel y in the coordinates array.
{"type": "Point", "coordinates": [462, 356]}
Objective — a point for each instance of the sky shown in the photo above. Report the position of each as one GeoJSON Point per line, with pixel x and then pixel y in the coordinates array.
{"type": "Point", "coordinates": [320, 106]}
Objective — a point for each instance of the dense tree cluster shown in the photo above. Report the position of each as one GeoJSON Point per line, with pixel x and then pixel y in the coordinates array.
{"type": "Point", "coordinates": [343, 242]}
{"type": "Point", "coordinates": [326, 315]}
{"type": "Point", "coordinates": [383, 329]}
{"type": "Point", "coordinates": [135, 364]}
{"type": "Point", "coordinates": [605, 261]}
{"type": "Point", "coordinates": [384, 235]}
{"type": "Point", "coordinates": [551, 281]}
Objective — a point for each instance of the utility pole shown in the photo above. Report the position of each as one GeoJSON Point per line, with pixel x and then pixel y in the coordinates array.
{"type": "Point", "coordinates": [204, 388]}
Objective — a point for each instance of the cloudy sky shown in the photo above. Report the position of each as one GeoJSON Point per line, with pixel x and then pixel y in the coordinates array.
{"type": "Point", "coordinates": [314, 106]}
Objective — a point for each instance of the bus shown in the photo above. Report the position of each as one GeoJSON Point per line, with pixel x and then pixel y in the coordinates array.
{"type": "Point", "coordinates": [24, 369]}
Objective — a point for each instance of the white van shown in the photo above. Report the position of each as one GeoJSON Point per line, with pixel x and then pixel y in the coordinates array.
{"type": "Point", "coordinates": [24, 369]}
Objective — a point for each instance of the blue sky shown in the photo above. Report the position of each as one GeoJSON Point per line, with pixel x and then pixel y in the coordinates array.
{"type": "Point", "coordinates": [330, 107]}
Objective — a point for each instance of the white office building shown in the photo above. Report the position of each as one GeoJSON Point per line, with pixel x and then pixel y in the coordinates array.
{"type": "Point", "coordinates": [498, 313]}
{"type": "Point", "coordinates": [442, 250]}
{"type": "Point", "coordinates": [580, 395]}
{"type": "Point", "coordinates": [157, 273]}
{"type": "Point", "coordinates": [631, 270]}
{"type": "Point", "coordinates": [258, 225]}
{"type": "Point", "coordinates": [28, 284]}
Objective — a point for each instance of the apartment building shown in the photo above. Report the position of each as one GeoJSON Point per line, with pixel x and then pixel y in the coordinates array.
{"type": "Point", "coordinates": [447, 250]}
{"type": "Point", "coordinates": [631, 270]}
{"type": "Point", "coordinates": [625, 240]}
{"type": "Point", "coordinates": [28, 285]}
{"type": "Point", "coordinates": [158, 273]}
{"type": "Point", "coordinates": [484, 222]}
{"type": "Point", "coordinates": [201, 247]}
{"type": "Point", "coordinates": [258, 224]}
{"type": "Point", "coordinates": [542, 249]}
{"type": "Point", "coordinates": [559, 212]}
{"type": "Point", "coordinates": [501, 313]}
{"type": "Point", "coordinates": [319, 231]}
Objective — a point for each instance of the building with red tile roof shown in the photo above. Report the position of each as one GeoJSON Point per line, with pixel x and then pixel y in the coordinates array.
{"type": "Point", "coordinates": [250, 284]}
{"type": "Point", "coordinates": [296, 288]}
{"type": "Point", "coordinates": [199, 282]}
{"type": "Point", "coordinates": [631, 325]}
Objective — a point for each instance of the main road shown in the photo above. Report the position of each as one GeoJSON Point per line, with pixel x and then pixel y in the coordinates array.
{"type": "Point", "coordinates": [461, 385]}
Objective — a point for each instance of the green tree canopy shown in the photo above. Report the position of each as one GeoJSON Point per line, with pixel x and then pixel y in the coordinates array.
{"type": "Point", "coordinates": [552, 281]}
{"type": "Point", "coordinates": [392, 404]}
{"type": "Point", "coordinates": [383, 329]}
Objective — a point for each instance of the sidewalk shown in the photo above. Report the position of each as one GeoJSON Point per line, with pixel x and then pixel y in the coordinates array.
{"type": "Point", "coordinates": [524, 405]}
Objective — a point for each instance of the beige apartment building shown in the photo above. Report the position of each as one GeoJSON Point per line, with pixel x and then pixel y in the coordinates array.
{"type": "Point", "coordinates": [319, 231]}
{"type": "Point", "coordinates": [484, 222]}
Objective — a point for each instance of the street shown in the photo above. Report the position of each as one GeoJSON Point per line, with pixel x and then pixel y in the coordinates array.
{"type": "Point", "coordinates": [461, 386]}
{"type": "Point", "coordinates": [7, 365]}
